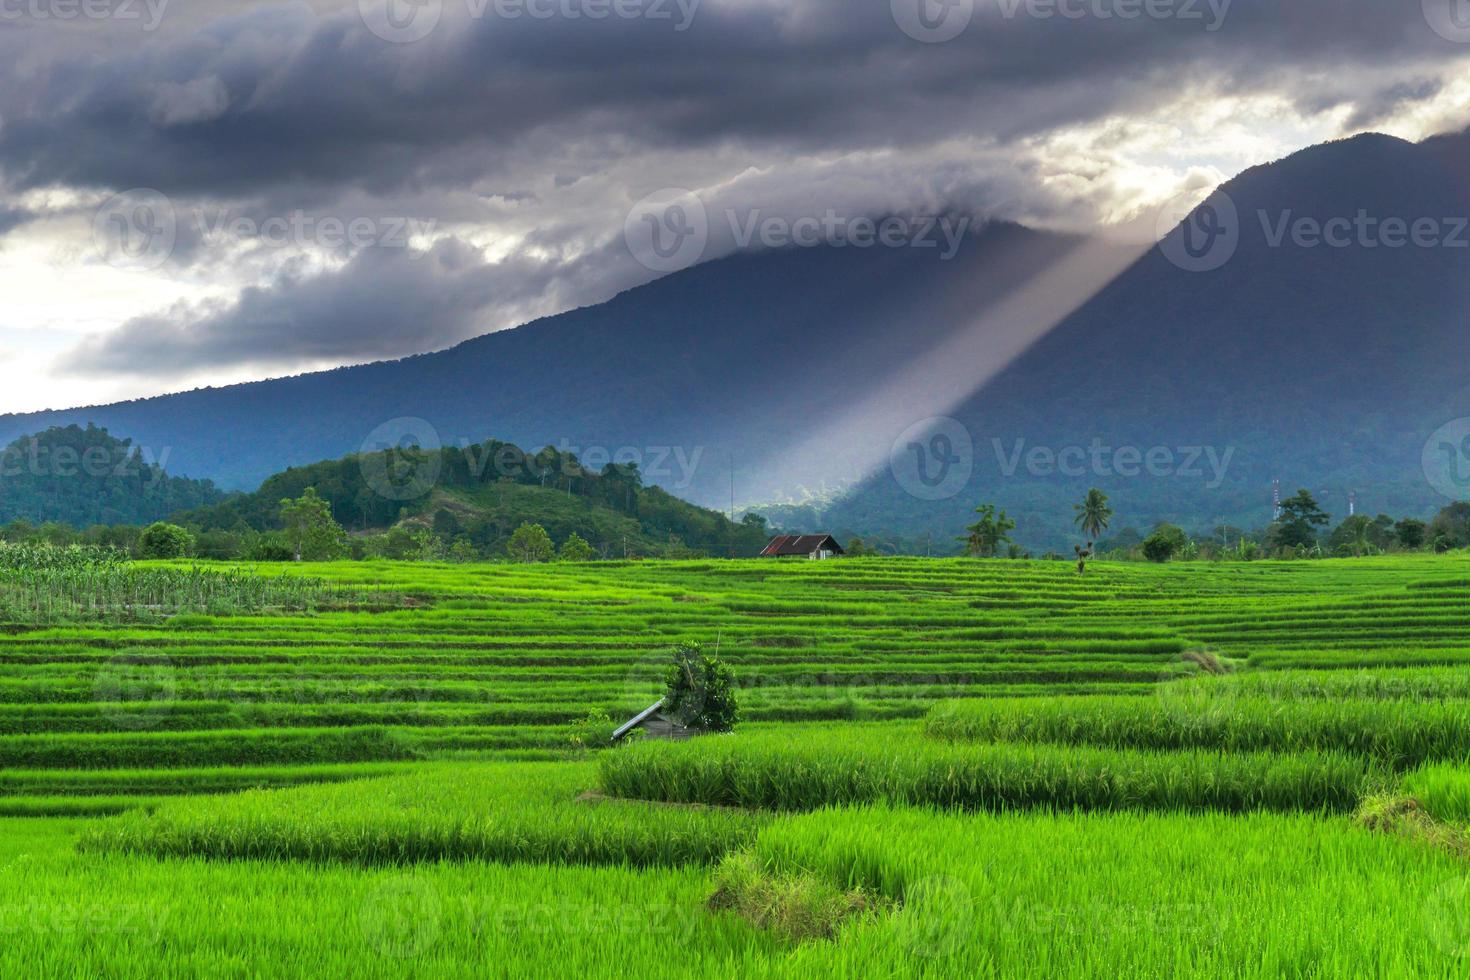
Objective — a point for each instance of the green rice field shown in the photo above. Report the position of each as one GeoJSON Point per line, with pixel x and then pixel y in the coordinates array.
{"type": "Point", "coordinates": [942, 768]}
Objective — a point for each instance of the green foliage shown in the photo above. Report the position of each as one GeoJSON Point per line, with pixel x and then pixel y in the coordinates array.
{"type": "Point", "coordinates": [161, 540]}
{"type": "Point", "coordinates": [1411, 533]}
{"type": "Point", "coordinates": [574, 548]}
{"type": "Point", "coordinates": [988, 534]}
{"type": "Point", "coordinates": [482, 493]}
{"type": "Point", "coordinates": [500, 812]}
{"type": "Point", "coordinates": [310, 531]}
{"type": "Point", "coordinates": [1450, 528]}
{"type": "Point", "coordinates": [1300, 518]}
{"type": "Point", "coordinates": [1164, 543]}
{"type": "Point", "coordinates": [701, 690]}
{"type": "Point", "coordinates": [530, 543]}
{"type": "Point", "coordinates": [1093, 514]}
{"type": "Point", "coordinates": [846, 766]}
{"type": "Point", "coordinates": [81, 477]}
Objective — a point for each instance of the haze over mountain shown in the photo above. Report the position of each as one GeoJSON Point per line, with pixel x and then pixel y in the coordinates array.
{"type": "Point", "coordinates": [1325, 365]}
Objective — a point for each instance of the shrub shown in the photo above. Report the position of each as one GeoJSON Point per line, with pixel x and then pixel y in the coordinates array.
{"type": "Point", "coordinates": [701, 691]}
{"type": "Point", "coordinates": [163, 540]}
{"type": "Point", "coordinates": [530, 543]}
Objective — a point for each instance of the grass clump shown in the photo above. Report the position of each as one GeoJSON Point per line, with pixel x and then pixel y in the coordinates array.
{"type": "Point", "coordinates": [795, 905]}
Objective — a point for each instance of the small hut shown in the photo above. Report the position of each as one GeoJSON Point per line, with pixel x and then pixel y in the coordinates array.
{"type": "Point", "coordinates": [812, 546]}
{"type": "Point", "coordinates": [655, 724]}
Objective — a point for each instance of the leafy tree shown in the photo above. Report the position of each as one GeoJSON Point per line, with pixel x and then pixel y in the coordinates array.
{"type": "Point", "coordinates": [988, 533]}
{"type": "Point", "coordinates": [701, 690]}
{"type": "Point", "coordinates": [1300, 518]}
{"type": "Point", "coordinates": [462, 551]}
{"type": "Point", "coordinates": [530, 543]}
{"type": "Point", "coordinates": [1164, 543]}
{"type": "Point", "coordinates": [1411, 533]}
{"type": "Point", "coordinates": [1353, 536]}
{"type": "Point", "coordinates": [311, 532]}
{"type": "Point", "coordinates": [575, 548]}
{"type": "Point", "coordinates": [162, 540]}
{"type": "Point", "coordinates": [1093, 514]}
{"type": "Point", "coordinates": [1452, 526]}
{"type": "Point", "coordinates": [858, 548]}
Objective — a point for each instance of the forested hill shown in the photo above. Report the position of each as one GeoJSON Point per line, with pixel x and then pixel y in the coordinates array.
{"type": "Point", "coordinates": [481, 493]}
{"type": "Point", "coordinates": [83, 477]}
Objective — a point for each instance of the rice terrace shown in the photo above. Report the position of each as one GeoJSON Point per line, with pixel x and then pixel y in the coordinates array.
{"type": "Point", "coordinates": [703, 489]}
{"type": "Point", "coordinates": [941, 767]}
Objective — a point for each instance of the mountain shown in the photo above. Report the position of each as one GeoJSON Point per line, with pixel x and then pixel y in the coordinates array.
{"type": "Point", "coordinates": [803, 372]}
{"type": "Point", "coordinates": [83, 477]}
{"type": "Point", "coordinates": [680, 374]}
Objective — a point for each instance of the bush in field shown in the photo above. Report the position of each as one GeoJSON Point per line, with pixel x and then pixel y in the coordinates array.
{"type": "Point", "coordinates": [310, 530]}
{"type": "Point", "coordinates": [701, 691]}
{"type": "Point", "coordinates": [575, 548]}
{"type": "Point", "coordinates": [530, 543]}
{"type": "Point", "coordinates": [163, 540]}
{"type": "Point", "coordinates": [1166, 542]}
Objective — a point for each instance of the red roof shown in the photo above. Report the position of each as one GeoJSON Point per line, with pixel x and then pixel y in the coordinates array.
{"type": "Point", "coordinates": [794, 545]}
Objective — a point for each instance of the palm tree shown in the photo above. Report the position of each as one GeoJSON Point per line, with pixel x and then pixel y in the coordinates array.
{"type": "Point", "coordinates": [1093, 514]}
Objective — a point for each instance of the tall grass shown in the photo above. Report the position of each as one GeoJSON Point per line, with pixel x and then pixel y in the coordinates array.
{"type": "Point", "coordinates": [841, 767]}
{"type": "Point", "coordinates": [1399, 733]}
{"type": "Point", "coordinates": [508, 812]}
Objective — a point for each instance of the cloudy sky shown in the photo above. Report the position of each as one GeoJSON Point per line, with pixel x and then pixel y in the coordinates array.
{"type": "Point", "coordinates": [200, 192]}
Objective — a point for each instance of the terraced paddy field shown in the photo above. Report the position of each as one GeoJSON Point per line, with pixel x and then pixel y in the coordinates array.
{"type": "Point", "coordinates": [943, 768]}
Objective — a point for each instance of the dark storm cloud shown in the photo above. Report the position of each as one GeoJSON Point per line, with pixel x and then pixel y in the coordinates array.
{"type": "Point", "coordinates": [275, 95]}
{"type": "Point", "coordinates": [385, 303]}
{"type": "Point", "coordinates": [267, 107]}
